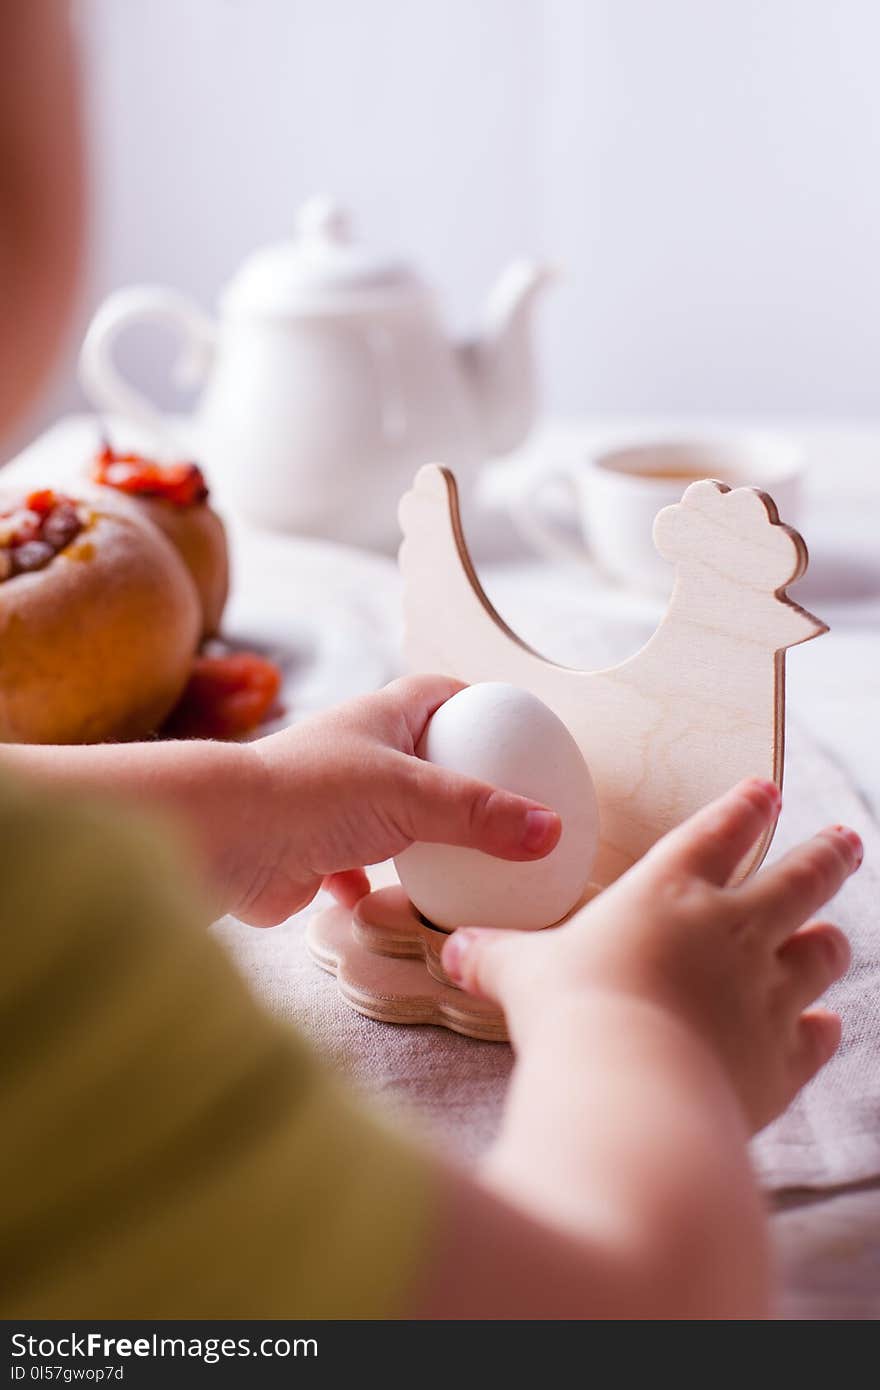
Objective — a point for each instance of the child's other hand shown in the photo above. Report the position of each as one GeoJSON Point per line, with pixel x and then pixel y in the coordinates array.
{"type": "Point", "coordinates": [344, 789]}
{"type": "Point", "coordinates": [738, 966]}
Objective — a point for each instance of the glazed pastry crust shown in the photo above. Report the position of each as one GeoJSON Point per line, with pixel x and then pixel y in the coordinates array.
{"type": "Point", "coordinates": [99, 644]}
{"type": "Point", "coordinates": [199, 536]}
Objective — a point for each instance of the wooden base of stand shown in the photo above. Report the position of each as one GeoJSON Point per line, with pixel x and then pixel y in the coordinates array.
{"type": "Point", "coordinates": [387, 965]}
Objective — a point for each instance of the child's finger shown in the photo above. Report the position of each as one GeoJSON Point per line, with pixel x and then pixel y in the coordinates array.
{"type": "Point", "coordinates": [803, 881]}
{"type": "Point", "coordinates": [480, 959]}
{"type": "Point", "coordinates": [816, 1041]}
{"type": "Point", "coordinates": [446, 808]}
{"type": "Point", "coordinates": [347, 887]}
{"type": "Point", "coordinates": [418, 697]}
{"type": "Point", "coordinates": [814, 958]}
{"type": "Point", "coordinates": [711, 843]}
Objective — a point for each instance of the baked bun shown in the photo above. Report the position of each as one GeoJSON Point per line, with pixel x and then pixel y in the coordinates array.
{"type": "Point", "coordinates": [199, 536]}
{"type": "Point", "coordinates": [174, 497]}
{"type": "Point", "coordinates": [99, 620]}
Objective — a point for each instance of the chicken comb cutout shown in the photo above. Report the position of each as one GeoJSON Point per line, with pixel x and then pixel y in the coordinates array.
{"type": "Point", "coordinates": [717, 536]}
{"type": "Point", "coordinates": [730, 530]}
{"type": "Point", "coordinates": [700, 706]}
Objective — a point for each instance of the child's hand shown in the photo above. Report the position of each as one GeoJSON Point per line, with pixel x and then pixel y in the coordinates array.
{"type": "Point", "coordinates": [343, 790]}
{"type": "Point", "coordinates": [736, 965]}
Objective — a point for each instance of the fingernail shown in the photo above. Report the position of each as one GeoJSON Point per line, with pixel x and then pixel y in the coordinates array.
{"type": "Point", "coordinates": [540, 830]}
{"type": "Point", "coordinates": [453, 954]}
{"type": "Point", "coordinates": [769, 791]}
{"type": "Point", "coordinates": [854, 842]}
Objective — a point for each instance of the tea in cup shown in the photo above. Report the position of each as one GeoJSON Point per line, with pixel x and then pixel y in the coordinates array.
{"type": "Point", "coordinates": [617, 492]}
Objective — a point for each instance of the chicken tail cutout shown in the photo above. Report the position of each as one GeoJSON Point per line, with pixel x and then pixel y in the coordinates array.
{"type": "Point", "coordinates": [699, 707]}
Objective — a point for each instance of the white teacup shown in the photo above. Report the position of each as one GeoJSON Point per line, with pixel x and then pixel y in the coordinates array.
{"type": "Point", "coordinates": [616, 494]}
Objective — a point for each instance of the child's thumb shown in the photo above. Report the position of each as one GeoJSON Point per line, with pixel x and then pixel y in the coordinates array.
{"type": "Point", "coordinates": [446, 808]}
{"type": "Point", "coordinates": [481, 960]}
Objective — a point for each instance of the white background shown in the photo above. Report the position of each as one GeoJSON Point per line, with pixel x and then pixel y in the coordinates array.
{"type": "Point", "coordinates": [706, 171]}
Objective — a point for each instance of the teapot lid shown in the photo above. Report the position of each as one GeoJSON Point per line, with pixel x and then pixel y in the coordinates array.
{"type": "Point", "coordinates": [322, 269]}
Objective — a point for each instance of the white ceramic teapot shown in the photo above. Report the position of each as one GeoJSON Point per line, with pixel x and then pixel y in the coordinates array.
{"type": "Point", "coordinates": [329, 380]}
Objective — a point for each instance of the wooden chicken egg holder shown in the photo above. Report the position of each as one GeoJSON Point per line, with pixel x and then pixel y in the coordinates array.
{"type": "Point", "coordinates": [699, 707]}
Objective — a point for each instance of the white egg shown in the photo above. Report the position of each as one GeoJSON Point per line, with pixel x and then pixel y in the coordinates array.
{"type": "Point", "coordinates": [508, 737]}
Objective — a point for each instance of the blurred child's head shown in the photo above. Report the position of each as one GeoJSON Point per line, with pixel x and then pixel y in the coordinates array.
{"type": "Point", "coordinates": [40, 192]}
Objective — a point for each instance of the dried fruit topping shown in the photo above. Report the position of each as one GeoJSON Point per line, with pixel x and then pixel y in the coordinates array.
{"type": "Point", "coordinates": [19, 526]}
{"type": "Point", "coordinates": [33, 555]}
{"type": "Point", "coordinates": [181, 483]}
{"type": "Point", "coordinates": [43, 502]}
{"type": "Point", "coordinates": [61, 525]}
{"type": "Point", "coordinates": [227, 696]}
{"type": "Point", "coordinates": [33, 534]}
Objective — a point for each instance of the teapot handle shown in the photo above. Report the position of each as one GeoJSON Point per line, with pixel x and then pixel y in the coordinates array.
{"type": "Point", "coordinates": [103, 384]}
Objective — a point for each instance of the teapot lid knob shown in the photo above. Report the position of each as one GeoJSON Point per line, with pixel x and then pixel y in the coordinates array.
{"type": "Point", "coordinates": [322, 269]}
{"type": "Point", "coordinates": [323, 219]}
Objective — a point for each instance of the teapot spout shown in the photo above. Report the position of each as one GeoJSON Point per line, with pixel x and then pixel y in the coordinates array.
{"type": "Point", "coordinates": [499, 364]}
